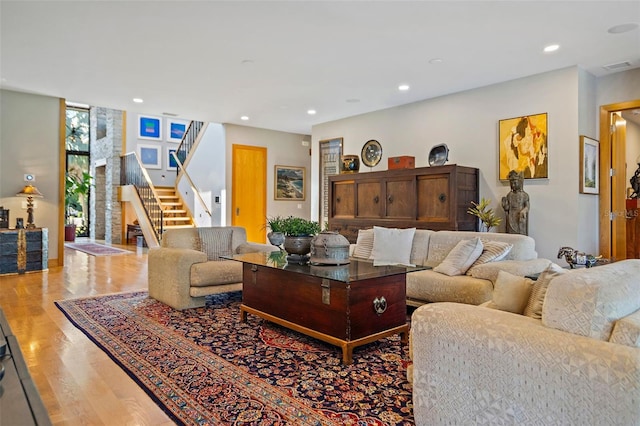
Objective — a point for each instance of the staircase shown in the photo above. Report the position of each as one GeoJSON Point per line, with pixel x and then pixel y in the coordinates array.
{"type": "Point", "coordinates": [174, 215]}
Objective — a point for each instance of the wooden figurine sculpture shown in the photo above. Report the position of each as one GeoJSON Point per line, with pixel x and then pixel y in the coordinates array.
{"type": "Point", "coordinates": [516, 205]}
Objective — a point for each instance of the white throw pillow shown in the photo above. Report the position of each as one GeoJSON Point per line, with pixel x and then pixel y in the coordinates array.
{"type": "Point", "coordinates": [492, 251]}
{"type": "Point", "coordinates": [392, 246]}
{"type": "Point", "coordinates": [511, 292]}
{"type": "Point", "coordinates": [364, 244]}
{"type": "Point", "coordinates": [461, 257]}
{"type": "Point", "coordinates": [539, 291]}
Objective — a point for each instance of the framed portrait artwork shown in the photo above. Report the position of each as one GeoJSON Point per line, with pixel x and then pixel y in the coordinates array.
{"type": "Point", "coordinates": [330, 164]}
{"type": "Point", "coordinates": [176, 130]}
{"type": "Point", "coordinates": [523, 146]}
{"type": "Point", "coordinates": [589, 165]}
{"type": "Point", "coordinates": [149, 156]}
{"type": "Point", "coordinates": [171, 162]}
{"type": "Point", "coordinates": [289, 183]}
{"type": "Point", "coordinates": [149, 127]}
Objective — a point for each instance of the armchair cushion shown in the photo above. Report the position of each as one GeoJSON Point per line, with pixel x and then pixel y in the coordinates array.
{"type": "Point", "coordinates": [216, 273]}
{"type": "Point", "coordinates": [216, 242]}
{"type": "Point", "coordinates": [626, 331]}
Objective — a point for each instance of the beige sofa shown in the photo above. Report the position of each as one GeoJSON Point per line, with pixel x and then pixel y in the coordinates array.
{"type": "Point", "coordinates": [578, 364]}
{"type": "Point", "coordinates": [474, 287]}
{"type": "Point", "coordinates": [187, 266]}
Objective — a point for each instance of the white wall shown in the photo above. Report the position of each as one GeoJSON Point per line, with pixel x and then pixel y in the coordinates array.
{"type": "Point", "coordinates": [468, 123]}
{"type": "Point", "coordinates": [29, 143]}
{"type": "Point", "coordinates": [206, 168]}
{"type": "Point", "coordinates": [283, 149]}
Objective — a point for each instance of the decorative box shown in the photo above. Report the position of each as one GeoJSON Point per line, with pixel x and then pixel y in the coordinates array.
{"type": "Point", "coordinates": [402, 162]}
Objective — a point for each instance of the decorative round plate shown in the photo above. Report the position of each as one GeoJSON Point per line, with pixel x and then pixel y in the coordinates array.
{"type": "Point", "coordinates": [371, 153]}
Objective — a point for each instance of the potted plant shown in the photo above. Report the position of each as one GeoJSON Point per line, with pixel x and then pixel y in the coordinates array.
{"type": "Point", "coordinates": [276, 233]}
{"type": "Point", "coordinates": [76, 191]}
{"type": "Point", "coordinates": [486, 215]}
{"type": "Point", "coordinates": [298, 233]}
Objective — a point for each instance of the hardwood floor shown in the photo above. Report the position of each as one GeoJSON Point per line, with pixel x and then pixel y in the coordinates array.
{"type": "Point", "coordinates": [78, 382]}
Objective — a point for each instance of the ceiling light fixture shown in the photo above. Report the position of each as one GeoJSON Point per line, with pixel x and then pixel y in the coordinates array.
{"type": "Point", "coordinates": [436, 61]}
{"type": "Point", "coordinates": [403, 87]}
{"type": "Point", "coordinates": [551, 48]}
{"type": "Point", "coordinates": [138, 100]}
{"type": "Point", "coordinates": [244, 118]}
{"type": "Point", "coordinates": [311, 111]}
{"type": "Point", "coordinates": [623, 28]}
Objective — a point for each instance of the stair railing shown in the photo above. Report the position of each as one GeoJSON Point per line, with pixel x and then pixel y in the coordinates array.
{"type": "Point", "coordinates": [193, 186]}
{"type": "Point", "coordinates": [188, 141]}
{"type": "Point", "coordinates": [133, 173]}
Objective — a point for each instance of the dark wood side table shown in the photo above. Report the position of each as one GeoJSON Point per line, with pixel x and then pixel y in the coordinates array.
{"type": "Point", "coordinates": [24, 250]}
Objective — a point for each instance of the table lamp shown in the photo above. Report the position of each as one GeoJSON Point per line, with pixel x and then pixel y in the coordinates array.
{"type": "Point", "coordinates": [30, 192]}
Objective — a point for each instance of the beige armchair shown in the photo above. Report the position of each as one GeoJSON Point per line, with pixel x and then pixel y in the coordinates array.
{"type": "Point", "coordinates": [187, 266]}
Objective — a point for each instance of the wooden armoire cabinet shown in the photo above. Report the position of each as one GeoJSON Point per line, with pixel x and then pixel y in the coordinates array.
{"type": "Point", "coordinates": [434, 198]}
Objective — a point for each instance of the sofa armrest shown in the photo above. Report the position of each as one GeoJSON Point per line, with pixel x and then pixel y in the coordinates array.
{"type": "Point", "coordinates": [169, 272]}
{"type": "Point", "coordinates": [249, 247]}
{"type": "Point", "coordinates": [475, 365]}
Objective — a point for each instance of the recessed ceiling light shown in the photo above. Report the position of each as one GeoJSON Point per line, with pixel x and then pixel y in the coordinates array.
{"type": "Point", "coordinates": [403, 87]}
{"type": "Point", "coordinates": [138, 100]}
{"type": "Point", "coordinates": [244, 118]}
{"type": "Point", "coordinates": [247, 61]}
{"type": "Point", "coordinates": [622, 28]}
{"type": "Point", "coordinates": [311, 111]}
{"type": "Point", "coordinates": [436, 61]}
{"type": "Point", "coordinates": [551, 48]}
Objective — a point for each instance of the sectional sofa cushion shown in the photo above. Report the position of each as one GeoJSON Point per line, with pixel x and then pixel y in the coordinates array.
{"type": "Point", "coordinates": [511, 292]}
{"type": "Point", "coordinates": [364, 244]}
{"type": "Point", "coordinates": [539, 291]}
{"type": "Point", "coordinates": [492, 251]}
{"type": "Point", "coordinates": [392, 246]}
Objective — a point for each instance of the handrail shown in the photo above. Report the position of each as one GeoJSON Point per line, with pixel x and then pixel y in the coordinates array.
{"type": "Point", "coordinates": [133, 173]}
{"type": "Point", "coordinates": [193, 186]}
{"type": "Point", "coordinates": [188, 141]}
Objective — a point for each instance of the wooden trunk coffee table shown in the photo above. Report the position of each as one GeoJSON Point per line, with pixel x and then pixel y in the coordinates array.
{"type": "Point", "coordinates": [346, 306]}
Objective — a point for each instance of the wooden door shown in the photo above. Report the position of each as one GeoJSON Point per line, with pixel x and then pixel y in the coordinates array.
{"type": "Point", "coordinates": [249, 190]}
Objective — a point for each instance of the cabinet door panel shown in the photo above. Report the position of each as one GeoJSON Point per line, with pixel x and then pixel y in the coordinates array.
{"type": "Point", "coordinates": [369, 200]}
{"type": "Point", "coordinates": [343, 199]}
{"type": "Point", "coordinates": [434, 201]}
{"type": "Point", "coordinates": [400, 200]}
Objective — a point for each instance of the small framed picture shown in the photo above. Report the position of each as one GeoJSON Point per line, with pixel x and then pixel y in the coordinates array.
{"type": "Point", "coordinates": [289, 183]}
{"type": "Point", "coordinates": [171, 162]}
{"type": "Point", "coordinates": [176, 130]}
{"type": "Point", "coordinates": [149, 127]}
{"type": "Point", "coordinates": [150, 156]}
{"type": "Point", "coordinates": [589, 165]}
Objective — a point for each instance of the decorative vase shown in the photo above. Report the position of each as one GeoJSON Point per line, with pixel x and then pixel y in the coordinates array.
{"type": "Point", "coordinates": [298, 248]}
{"type": "Point", "coordinates": [276, 238]}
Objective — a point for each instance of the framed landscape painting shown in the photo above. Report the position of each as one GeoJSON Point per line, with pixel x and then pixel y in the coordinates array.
{"type": "Point", "coordinates": [523, 146]}
{"type": "Point", "coordinates": [149, 127]}
{"type": "Point", "coordinates": [289, 183]}
{"type": "Point", "coordinates": [589, 166]}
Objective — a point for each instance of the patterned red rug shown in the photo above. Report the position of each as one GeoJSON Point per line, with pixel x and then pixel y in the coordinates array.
{"type": "Point", "coordinates": [203, 366]}
{"type": "Point", "coordinates": [96, 249]}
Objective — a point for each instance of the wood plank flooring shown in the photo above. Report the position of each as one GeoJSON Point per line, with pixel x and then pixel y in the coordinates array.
{"type": "Point", "coordinates": [78, 382]}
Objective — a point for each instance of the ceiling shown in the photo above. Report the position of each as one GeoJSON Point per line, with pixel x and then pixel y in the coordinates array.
{"type": "Point", "coordinates": [273, 61]}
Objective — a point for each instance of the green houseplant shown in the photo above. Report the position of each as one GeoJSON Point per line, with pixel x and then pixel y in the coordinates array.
{"type": "Point", "coordinates": [298, 234]}
{"type": "Point", "coordinates": [486, 214]}
{"type": "Point", "coordinates": [78, 183]}
{"type": "Point", "coordinates": [276, 227]}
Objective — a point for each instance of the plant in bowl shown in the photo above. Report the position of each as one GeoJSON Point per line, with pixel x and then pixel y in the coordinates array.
{"type": "Point", "coordinates": [298, 235]}
{"type": "Point", "coordinates": [486, 214]}
{"type": "Point", "coordinates": [276, 233]}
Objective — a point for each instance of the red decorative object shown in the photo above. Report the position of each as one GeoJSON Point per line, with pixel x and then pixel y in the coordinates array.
{"type": "Point", "coordinates": [403, 162]}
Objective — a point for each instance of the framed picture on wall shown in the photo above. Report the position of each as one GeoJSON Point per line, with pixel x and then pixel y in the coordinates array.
{"type": "Point", "coordinates": [149, 127]}
{"type": "Point", "coordinates": [171, 162]}
{"type": "Point", "coordinates": [289, 183]}
{"type": "Point", "coordinates": [523, 146]}
{"type": "Point", "coordinates": [149, 156]}
{"type": "Point", "coordinates": [330, 163]}
{"type": "Point", "coordinates": [589, 165]}
{"type": "Point", "coordinates": [176, 130]}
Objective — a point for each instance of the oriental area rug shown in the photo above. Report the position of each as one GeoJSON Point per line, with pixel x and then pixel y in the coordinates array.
{"type": "Point", "coordinates": [204, 367]}
{"type": "Point", "coordinates": [96, 249]}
